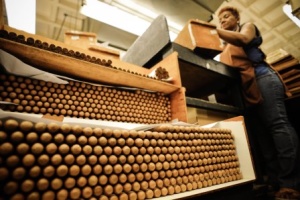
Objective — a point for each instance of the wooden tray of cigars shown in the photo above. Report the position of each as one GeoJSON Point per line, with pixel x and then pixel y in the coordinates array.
{"type": "Point", "coordinates": [73, 64]}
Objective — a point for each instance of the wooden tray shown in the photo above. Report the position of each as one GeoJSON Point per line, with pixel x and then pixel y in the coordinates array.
{"type": "Point", "coordinates": [83, 70]}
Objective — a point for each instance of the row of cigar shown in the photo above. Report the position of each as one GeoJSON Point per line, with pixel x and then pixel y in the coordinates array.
{"type": "Point", "coordinates": [82, 187]}
{"type": "Point", "coordinates": [62, 161]}
{"type": "Point", "coordinates": [53, 48]}
{"type": "Point", "coordinates": [70, 53]}
{"type": "Point", "coordinates": [83, 100]}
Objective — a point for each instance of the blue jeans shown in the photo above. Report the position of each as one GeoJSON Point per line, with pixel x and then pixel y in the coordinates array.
{"type": "Point", "coordinates": [277, 138]}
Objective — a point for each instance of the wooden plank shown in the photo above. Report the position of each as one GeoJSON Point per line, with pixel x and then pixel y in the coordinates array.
{"type": "Point", "coordinates": [290, 73]}
{"type": "Point", "coordinates": [293, 84]}
{"type": "Point", "coordinates": [287, 64]}
{"type": "Point", "coordinates": [295, 90]}
{"type": "Point", "coordinates": [283, 60]}
{"type": "Point", "coordinates": [68, 66]}
{"type": "Point", "coordinates": [291, 78]}
{"type": "Point", "coordinates": [178, 105]}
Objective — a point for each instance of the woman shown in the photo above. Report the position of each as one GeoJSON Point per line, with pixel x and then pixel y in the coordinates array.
{"type": "Point", "coordinates": [264, 95]}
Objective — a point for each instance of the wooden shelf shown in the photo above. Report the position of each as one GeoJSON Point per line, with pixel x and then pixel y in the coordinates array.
{"type": "Point", "coordinates": [83, 70]}
{"type": "Point", "coordinates": [203, 76]}
{"type": "Point", "coordinates": [198, 103]}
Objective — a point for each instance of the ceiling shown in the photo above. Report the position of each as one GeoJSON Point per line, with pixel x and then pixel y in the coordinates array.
{"type": "Point", "coordinates": [54, 17]}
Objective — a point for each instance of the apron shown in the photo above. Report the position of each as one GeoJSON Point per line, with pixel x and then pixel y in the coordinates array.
{"type": "Point", "coordinates": [236, 57]}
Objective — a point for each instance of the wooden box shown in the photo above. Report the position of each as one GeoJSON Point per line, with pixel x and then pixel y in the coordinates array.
{"type": "Point", "coordinates": [80, 39]}
{"type": "Point", "coordinates": [88, 41]}
{"type": "Point", "coordinates": [119, 74]}
{"type": "Point", "coordinates": [201, 37]}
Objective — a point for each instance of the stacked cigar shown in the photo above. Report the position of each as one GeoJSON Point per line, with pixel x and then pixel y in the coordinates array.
{"type": "Point", "coordinates": [61, 161]}
{"type": "Point", "coordinates": [161, 73]}
{"type": "Point", "coordinates": [83, 100]}
{"type": "Point", "coordinates": [64, 51]}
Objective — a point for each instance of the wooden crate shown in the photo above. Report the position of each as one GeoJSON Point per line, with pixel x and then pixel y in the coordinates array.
{"type": "Point", "coordinates": [201, 37]}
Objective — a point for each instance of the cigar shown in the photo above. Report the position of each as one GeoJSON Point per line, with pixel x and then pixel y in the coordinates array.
{"type": "Point", "coordinates": [35, 171]}
{"type": "Point", "coordinates": [81, 181]}
{"type": "Point", "coordinates": [108, 169]}
{"type": "Point", "coordinates": [31, 195]}
{"type": "Point", "coordinates": [92, 160]}
{"type": "Point", "coordinates": [123, 196]}
{"type": "Point", "coordinates": [97, 191]}
{"type": "Point", "coordinates": [135, 167]}
{"type": "Point", "coordinates": [75, 193]}
{"type": "Point", "coordinates": [131, 177]}
{"type": "Point", "coordinates": [108, 150]}
{"type": "Point", "coordinates": [141, 194]}
{"type": "Point", "coordinates": [139, 176]}
{"type": "Point", "coordinates": [118, 189]}
{"type": "Point", "coordinates": [157, 192]}
{"type": "Point", "coordinates": [136, 186]}
{"type": "Point", "coordinates": [59, 138]}
{"type": "Point", "coordinates": [112, 142]}
{"type": "Point", "coordinates": [49, 171]}
{"type": "Point", "coordinates": [43, 160]}
{"type": "Point", "coordinates": [164, 191]}
{"type": "Point", "coordinates": [62, 170]}
{"type": "Point", "coordinates": [127, 168]}
{"type": "Point", "coordinates": [62, 194]}
{"type": "Point", "coordinates": [51, 148]}
{"type": "Point", "coordinates": [76, 149]}
{"type": "Point", "coordinates": [108, 190]}
{"type": "Point", "coordinates": [81, 159]}
{"type": "Point", "coordinates": [92, 180]}
{"type": "Point", "coordinates": [45, 137]}
{"type": "Point", "coordinates": [64, 149]}
{"type": "Point", "coordinates": [74, 170]}
{"type": "Point", "coordinates": [17, 174]}
{"type": "Point", "coordinates": [69, 182]}
{"type": "Point", "coordinates": [16, 136]}
{"type": "Point", "coordinates": [92, 140]}
{"type": "Point", "coordinates": [42, 184]}
{"type": "Point", "coordinates": [49, 194]}
{"type": "Point", "coordinates": [82, 140]}
{"type": "Point", "coordinates": [10, 187]}
{"type": "Point", "coordinates": [123, 178]}
{"type": "Point", "coordinates": [28, 160]}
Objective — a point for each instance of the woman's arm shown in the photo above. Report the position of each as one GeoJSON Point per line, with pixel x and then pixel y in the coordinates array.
{"type": "Point", "coordinates": [238, 38]}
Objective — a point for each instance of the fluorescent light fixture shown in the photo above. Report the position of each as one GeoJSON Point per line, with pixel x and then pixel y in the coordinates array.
{"type": "Point", "coordinates": [124, 20]}
{"type": "Point", "coordinates": [21, 14]}
{"type": "Point", "coordinates": [114, 16]}
{"type": "Point", "coordinates": [287, 9]}
{"type": "Point", "coordinates": [131, 5]}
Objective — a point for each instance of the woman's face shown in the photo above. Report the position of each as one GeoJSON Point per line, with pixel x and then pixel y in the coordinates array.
{"type": "Point", "coordinates": [228, 21]}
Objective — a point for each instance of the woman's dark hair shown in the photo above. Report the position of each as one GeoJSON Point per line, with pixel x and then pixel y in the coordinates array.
{"type": "Point", "coordinates": [233, 10]}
